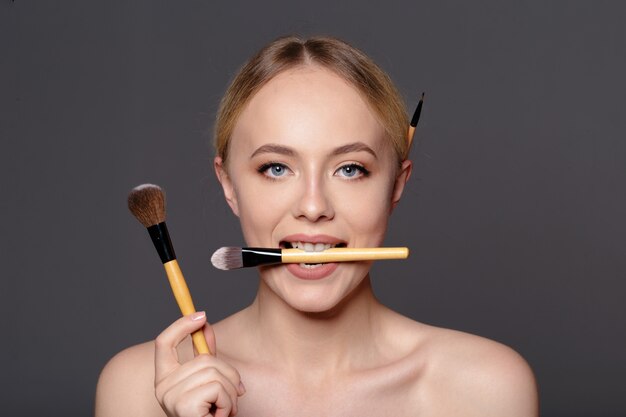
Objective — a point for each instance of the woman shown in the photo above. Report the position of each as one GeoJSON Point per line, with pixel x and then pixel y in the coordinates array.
{"type": "Point", "coordinates": [311, 153]}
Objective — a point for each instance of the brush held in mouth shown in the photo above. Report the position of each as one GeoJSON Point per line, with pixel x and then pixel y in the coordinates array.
{"type": "Point", "coordinates": [227, 258]}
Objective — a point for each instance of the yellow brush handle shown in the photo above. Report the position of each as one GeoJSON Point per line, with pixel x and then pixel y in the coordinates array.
{"type": "Point", "coordinates": [183, 298]}
{"type": "Point", "coordinates": [296, 256]}
{"type": "Point", "coordinates": [410, 134]}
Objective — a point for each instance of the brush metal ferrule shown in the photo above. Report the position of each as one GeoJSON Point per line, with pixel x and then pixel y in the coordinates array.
{"type": "Point", "coordinates": [260, 256]}
{"type": "Point", "coordinates": [162, 242]}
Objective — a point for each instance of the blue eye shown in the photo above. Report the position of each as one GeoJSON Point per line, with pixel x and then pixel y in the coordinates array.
{"type": "Point", "coordinates": [273, 169]}
{"type": "Point", "coordinates": [352, 171]}
{"type": "Point", "coordinates": [277, 170]}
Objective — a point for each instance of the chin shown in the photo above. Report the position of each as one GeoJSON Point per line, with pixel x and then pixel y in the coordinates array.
{"type": "Point", "coordinates": [320, 296]}
{"type": "Point", "coordinates": [314, 305]}
{"type": "Point", "coordinates": [309, 299]}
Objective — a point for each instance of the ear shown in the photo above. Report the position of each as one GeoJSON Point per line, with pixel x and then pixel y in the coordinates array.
{"type": "Point", "coordinates": [401, 179]}
{"type": "Point", "coordinates": [227, 185]}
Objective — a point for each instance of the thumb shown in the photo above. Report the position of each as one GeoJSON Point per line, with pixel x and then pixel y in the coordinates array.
{"type": "Point", "coordinates": [209, 335]}
{"type": "Point", "coordinates": [166, 357]}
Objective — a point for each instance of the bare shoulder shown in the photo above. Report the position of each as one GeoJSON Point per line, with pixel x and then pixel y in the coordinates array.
{"type": "Point", "coordinates": [126, 384]}
{"type": "Point", "coordinates": [483, 377]}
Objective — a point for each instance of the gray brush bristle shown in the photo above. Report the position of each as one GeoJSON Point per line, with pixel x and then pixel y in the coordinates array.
{"type": "Point", "coordinates": [227, 258]}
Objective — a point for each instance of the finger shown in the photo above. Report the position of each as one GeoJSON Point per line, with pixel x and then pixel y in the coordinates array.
{"type": "Point", "coordinates": [233, 376]}
{"type": "Point", "coordinates": [209, 335]}
{"type": "Point", "coordinates": [205, 376]}
{"type": "Point", "coordinates": [199, 364]}
{"type": "Point", "coordinates": [201, 399]}
{"type": "Point", "coordinates": [226, 369]}
{"type": "Point", "coordinates": [225, 405]}
{"type": "Point", "coordinates": [165, 355]}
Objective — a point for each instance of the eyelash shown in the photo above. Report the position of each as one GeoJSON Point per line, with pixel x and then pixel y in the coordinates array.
{"type": "Point", "coordinates": [364, 171]}
{"type": "Point", "coordinates": [266, 166]}
{"type": "Point", "coordinates": [263, 169]}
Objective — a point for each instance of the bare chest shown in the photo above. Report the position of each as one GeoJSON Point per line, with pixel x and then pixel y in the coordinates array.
{"type": "Point", "coordinates": [374, 394]}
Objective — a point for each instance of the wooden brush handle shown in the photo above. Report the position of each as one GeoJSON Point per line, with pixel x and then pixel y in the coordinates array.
{"type": "Point", "coordinates": [410, 134]}
{"type": "Point", "coordinates": [343, 255]}
{"type": "Point", "coordinates": [183, 298]}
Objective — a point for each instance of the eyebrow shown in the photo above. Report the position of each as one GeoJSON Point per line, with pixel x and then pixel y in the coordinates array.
{"type": "Point", "coordinates": [273, 148]}
{"type": "Point", "coordinates": [287, 151]}
{"type": "Point", "coordinates": [353, 147]}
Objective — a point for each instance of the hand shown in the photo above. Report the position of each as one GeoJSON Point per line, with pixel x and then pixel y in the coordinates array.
{"type": "Point", "coordinates": [203, 386]}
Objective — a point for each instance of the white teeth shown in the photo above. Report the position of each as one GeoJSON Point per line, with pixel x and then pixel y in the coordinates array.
{"type": "Point", "coordinates": [310, 266]}
{"type": "Point", "coordinates": [311, 247]}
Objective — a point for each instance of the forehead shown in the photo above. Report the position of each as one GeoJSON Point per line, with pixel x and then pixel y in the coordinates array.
{"type": "Point", "coordinates": [309, 107]}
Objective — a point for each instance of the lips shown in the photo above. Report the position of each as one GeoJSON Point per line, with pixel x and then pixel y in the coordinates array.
{"type": "Point", "coordinates": [316, 272]}
{"type": "Point", "coordinates": [311, 243]}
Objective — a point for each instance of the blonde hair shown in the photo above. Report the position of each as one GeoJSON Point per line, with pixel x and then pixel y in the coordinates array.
{"type": "Point", "coordinates": [348, 62]}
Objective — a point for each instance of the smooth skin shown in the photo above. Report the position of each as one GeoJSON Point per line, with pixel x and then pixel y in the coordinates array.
{"type": "Point", "coordinates": [309, 157]}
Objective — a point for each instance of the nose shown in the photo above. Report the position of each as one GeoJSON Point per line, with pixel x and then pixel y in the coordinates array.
{"type": "Point", "coordinates": [314, 203]}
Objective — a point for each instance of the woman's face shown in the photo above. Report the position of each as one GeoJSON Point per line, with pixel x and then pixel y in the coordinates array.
{"type": "Point", "coordinates": [309, 165]}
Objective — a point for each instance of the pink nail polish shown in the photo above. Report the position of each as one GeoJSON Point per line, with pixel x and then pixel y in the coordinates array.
{"type": "Point", "coordinates": [198, 315]}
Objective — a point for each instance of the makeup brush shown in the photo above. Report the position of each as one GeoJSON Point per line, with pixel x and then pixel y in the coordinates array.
{"type": "Point", "coordinates": [147, 203]}
{"type": "Point", "coordinates": [232, 257]}
{"type": "Point", "coordinates": [415, 119]}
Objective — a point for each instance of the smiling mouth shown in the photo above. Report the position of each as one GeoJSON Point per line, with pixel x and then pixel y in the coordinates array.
{"type": "Point", "coordinates": [311, 247]}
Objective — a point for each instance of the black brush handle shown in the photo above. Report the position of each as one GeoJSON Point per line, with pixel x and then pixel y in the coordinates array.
{"type": "Point", "coordinates": [418, 112]}
{"type": "Point", "coordinates": [260, 256]}
{"type": "Point", "coordinates": [162, 242]}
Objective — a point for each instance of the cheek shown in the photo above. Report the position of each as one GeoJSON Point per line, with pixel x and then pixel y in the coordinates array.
{"type": "Point", "coordinates": [259, 213]}
{"type": "Point", "coordinates": [367, 210]}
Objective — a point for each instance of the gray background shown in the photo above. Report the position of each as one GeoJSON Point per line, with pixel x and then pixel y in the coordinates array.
{"type": "Point", "coordinates": [514, 215]}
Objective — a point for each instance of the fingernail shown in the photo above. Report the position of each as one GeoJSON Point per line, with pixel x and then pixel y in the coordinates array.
{"type": "Point", "coordinates": [198, 315]}
{"type": "Point", "coordinates": [242, 389]}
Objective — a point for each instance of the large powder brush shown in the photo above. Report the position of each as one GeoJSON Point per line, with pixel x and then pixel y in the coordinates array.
{"type": "Point", "coordinates": [147, 203]}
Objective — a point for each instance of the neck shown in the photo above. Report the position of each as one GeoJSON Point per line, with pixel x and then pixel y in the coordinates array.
{"type": "Point", "coordinates": [323, 343]}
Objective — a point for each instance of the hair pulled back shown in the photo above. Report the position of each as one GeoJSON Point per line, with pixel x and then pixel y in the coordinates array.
{"type": "Point", "coordinates": [349, 63]}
